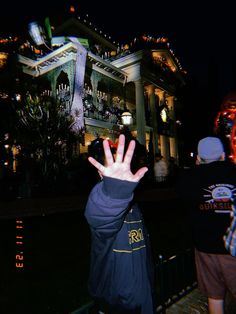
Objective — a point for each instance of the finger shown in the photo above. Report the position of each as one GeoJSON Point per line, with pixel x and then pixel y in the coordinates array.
{"type": "Point", "coordinates": [140, 173]}
{"type": "Point", "coordinates": [129, 152]}
{"type": "Point", "coordinates": [120, 148]}
{"type": "Point", "coordinates": [108, 154]}
{"type": "Point", "coordinates": [96, 164]}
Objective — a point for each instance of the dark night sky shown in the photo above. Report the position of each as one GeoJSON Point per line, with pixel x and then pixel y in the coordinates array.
{"type": "Point", "coordinates": [201, 34]}
{"type": "Point", "coordinates": [198, 35]}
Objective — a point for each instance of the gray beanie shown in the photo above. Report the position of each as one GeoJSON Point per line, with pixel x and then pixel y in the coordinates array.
{"type": "Point", "coordinates": [210, 148]}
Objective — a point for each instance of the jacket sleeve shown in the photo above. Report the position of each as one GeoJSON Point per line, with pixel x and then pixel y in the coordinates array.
{"type": "Point", "coordinates": [107, 205]}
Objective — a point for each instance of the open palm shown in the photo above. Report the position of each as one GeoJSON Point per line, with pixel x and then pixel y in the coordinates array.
{"type": "Point", "coordinates": [118, 168]}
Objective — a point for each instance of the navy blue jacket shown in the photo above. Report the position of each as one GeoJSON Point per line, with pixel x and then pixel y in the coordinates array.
{"type": "Point", "coordinates": [121, 272]}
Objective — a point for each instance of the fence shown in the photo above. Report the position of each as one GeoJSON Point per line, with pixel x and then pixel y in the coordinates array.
{"type": "Point", "coordinates": [176, 277]}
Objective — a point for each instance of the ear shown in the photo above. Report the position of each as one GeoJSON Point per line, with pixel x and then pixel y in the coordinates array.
{"type": "Point", "coordinates": [198, 159]}
{"type": "Point", "coordinates": [222, 157]}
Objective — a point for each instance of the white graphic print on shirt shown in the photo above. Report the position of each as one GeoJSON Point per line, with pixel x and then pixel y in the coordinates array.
{"type": "Point", "coordinates": [218, 197]}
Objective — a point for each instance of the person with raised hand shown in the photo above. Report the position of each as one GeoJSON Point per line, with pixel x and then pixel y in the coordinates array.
{"type": "Point", "coordinates": [121, 278]}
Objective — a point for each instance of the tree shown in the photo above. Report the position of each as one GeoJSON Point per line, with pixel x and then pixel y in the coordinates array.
{"type": "Point", "coordinates": [44, 131]}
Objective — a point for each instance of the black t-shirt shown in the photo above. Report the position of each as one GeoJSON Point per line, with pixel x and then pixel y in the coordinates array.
{"type": "Point", "coordinates": [208, 191]}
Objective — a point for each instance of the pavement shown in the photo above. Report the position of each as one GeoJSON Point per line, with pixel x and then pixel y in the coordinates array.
{"type": "Point", "coordinates": [192, 303]}
{"type": "Point", "coordinates": [196, 303]}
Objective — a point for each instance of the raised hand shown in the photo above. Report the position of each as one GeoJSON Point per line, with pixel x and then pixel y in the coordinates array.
{"type": "Point", "coordinates": [120, 167]}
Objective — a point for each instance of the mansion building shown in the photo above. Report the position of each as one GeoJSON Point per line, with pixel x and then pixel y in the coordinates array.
{"type": "Point", "coordinates": [101, 82]}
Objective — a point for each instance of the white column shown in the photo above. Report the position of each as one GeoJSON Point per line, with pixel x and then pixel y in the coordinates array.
{"type": "Point", "coordinates": [165, 147]}
{"type": "Point", "coordinates": [161, 95]}
{"type": "Point", "coordinates": [140, 112]}
{"type": "Point", "coordinates": [164, 140]}
{"type": "Point", "coordinates": [151, 95]}
{"type": "Point", "coordinates": [173, 140]}
{"type": "Point", "coordinates": [173, 152]}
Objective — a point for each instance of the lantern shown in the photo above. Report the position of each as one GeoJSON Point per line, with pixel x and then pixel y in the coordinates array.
{"type": "Point", "coordinates": [126, 118]}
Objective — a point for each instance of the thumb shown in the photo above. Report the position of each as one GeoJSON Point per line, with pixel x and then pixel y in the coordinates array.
{"type": "Point", "coordinates": [140, 173]}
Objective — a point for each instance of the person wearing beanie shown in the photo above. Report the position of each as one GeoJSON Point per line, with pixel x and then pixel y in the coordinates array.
{"type": "Point", "coordinates": [121, 279]}
{"type": "Point", "coordinates": [209, 191]}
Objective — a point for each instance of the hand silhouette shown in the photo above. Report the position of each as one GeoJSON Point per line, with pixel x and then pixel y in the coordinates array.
{"type": "Point", "coordinates": [118, 167]}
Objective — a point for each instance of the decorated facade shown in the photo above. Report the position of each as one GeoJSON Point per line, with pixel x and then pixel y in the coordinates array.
{"type": "Point", "coordinates": [99, 81]}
